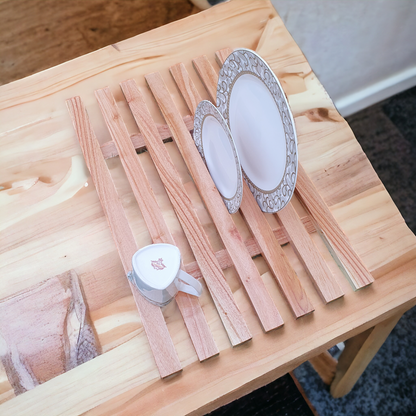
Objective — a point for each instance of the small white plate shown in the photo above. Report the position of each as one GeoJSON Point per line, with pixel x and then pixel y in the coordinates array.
{"type": "Point", "coordinates": [251, 100]}
{"type": "Point", "coordinates": [216, 146]}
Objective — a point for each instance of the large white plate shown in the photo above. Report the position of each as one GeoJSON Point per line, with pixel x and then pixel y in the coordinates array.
{"type": "Point", "coordinates": [251, 100]}
{"type": "Point", "coordinates": [216, 146]}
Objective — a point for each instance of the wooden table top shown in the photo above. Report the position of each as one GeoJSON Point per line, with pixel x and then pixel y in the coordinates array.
{"type": "Point", "coordinates": [52, 221]}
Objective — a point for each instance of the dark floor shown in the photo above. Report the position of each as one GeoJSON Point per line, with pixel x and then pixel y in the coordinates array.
{"type": "Point", "coordinates": [279, 398]}
{"type": "Point", "coordinates": [387, 134]}
{"type": "Point", "coordinates": [387, 387]}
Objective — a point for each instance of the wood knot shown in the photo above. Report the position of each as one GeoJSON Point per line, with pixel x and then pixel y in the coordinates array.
{"type": "Point", "coordinates": [318, 114]}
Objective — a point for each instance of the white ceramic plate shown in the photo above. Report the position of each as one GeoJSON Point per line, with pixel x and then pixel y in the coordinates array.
{"type": "Point", "coordinates": [251, 100]}
{"type": "Point", "coordinates": [216, 146]}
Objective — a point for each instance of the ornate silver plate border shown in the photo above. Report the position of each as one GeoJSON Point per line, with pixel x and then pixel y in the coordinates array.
{"type": "Point", "coordinates": [206, 108]}
{"type": "Point", "coordinates": [245, 61]}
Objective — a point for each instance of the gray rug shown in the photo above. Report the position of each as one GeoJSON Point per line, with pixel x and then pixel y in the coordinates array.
{"type": "Point", "coordinates": [387, 387]}
{"type": "Point", "coordinates": [387, 133]}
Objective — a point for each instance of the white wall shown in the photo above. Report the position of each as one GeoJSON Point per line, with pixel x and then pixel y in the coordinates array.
{"type": "Point", "coordinates": [361, 50]}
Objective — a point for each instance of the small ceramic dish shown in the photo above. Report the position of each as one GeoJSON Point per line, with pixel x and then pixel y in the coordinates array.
{"type": "Point", "coordinates": [251, 100]}
{"type": "Point", "coordinates": [157, 274]}
{"type": "Point", "coordinates": [216, 146]}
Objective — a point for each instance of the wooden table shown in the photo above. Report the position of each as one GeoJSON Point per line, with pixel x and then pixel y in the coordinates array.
{"type": "Point", "coordinates": [52, 222]}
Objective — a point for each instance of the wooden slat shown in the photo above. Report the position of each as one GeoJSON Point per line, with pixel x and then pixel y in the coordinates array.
{"type": "Point", "coordinates": [309, 255]}
{"type": "Point", "coordinates": [337, 241]}
{"type": "Point", "coordinates": [244, 265]}
{"type": "Point", "coordinates": [186, 86]}
{"type": "Point", "coordinates": [109, 149]}
{"type": "Point", "coordinates": [221, 293]}
{"type": "Point", "coordinates": [188, 305]}
{"type": "Point", "coordinates": [207, 75]}
{"type": "Point", "coordinates": [167, 360]}
{"type": "Point", "coordinates": [260, 228]}
{"type": "Point", "coordinates": [274, 255]}
{"type": "Point", "coordinates": [222, 55]}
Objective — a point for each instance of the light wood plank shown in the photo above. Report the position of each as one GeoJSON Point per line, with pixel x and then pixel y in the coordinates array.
{"type": "Point", "coordinates": [221, 293]}
{"type": "Point", "coordinates": [207, 75]}
{"type": "Point", "coordinates": [186, 86]}
{"type": "Point", "coordinates": [166, 359]}
{"type": "Point", "coordinates": [275, 257]}
{"type": "Point", "coordinates": [222, 55]}
{"type": "Point", "coordinates": [337, 241]}
{"type": "Point", "coordinates": [309, 255]}
{"type": "Point", "coordinates": [233, 242]}
{"type": "Point", "coordinates": [260, 228]}
{"type": "Point", "coordinates": [188, 305]}
{"type": "Point", "coordinates": [109, 149]}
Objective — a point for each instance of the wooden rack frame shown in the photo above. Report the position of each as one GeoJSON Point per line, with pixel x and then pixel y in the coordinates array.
{"type": "Point", "coordinates": [209, 264]}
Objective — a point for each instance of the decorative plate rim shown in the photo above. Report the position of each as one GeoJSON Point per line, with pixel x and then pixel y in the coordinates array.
{"type": "Point", "coordinates": [245, 61]}
{"type": "Point", "coordinates": [204, 109]}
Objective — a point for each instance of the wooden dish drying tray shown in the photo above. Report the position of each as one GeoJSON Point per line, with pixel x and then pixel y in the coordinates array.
{"type": "Point", "coordinates": [268, 232]}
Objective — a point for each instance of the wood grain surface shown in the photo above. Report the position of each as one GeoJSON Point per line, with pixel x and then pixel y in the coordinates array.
{"type": "Point", "coordinates": [45, 331]}
{"type": "Point", "coordinates": [309, 255]}
{"type": "Point", "coordinates": [274, 255]}
{"type": "Point", "coordinates": [349, 260]}
{"type": "Point", "coordinates": [325, 365]}
{"type": "Point", "coordinates": [52, 222]}
{"type": "Point", "coordinates": [188, 305]}
{"type": "Point", "coordinates": [221, 293]}
{"type": "Point", "coordinates": [208, 76]}
{"type": "Point", "coordinates": [186, 86]}
{"type": "Point", "coordinates": [157, 333]}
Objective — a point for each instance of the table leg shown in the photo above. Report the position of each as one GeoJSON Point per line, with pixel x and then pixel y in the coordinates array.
{"type": "Point", "coordinates": [325, 365]}
{"type": "Point", "coordinates": [358, 353]}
